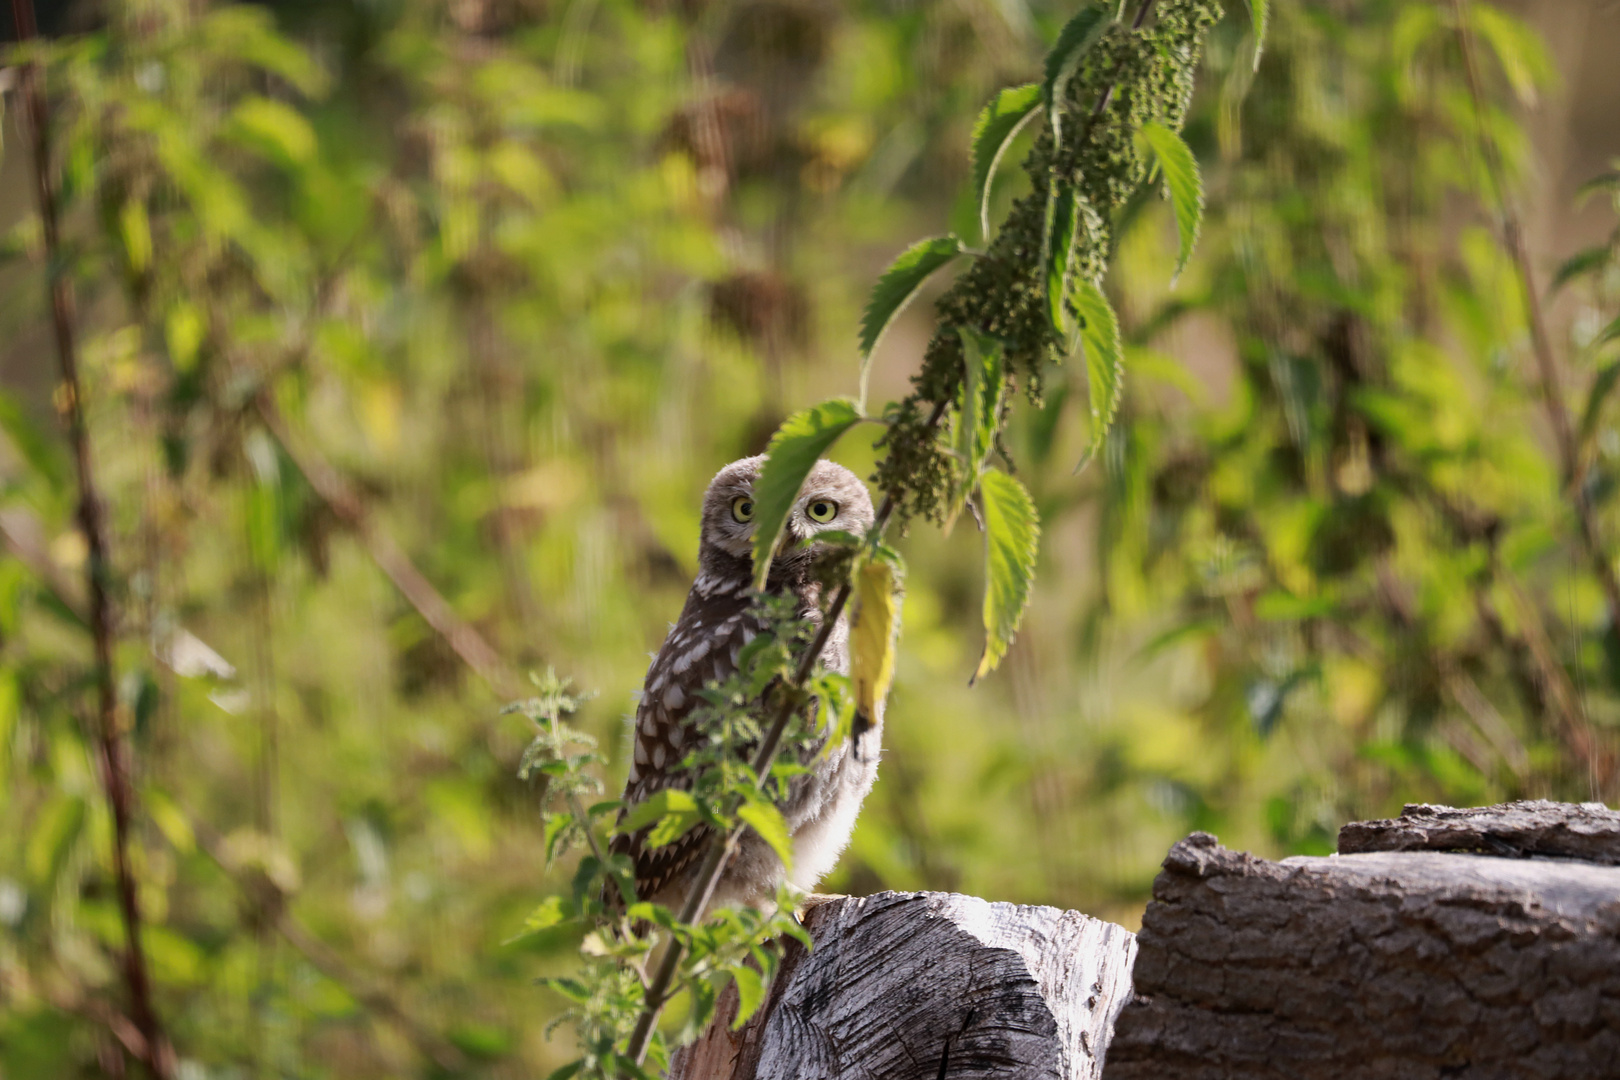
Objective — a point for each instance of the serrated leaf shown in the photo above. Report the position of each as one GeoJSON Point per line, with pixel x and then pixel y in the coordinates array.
{"type": "Point", "coordinates": [1012, 538]}
{"type": "Point", "coordinates": [895, 289]}
{"type": "Point", "coordinates": [766, 820]}
{"type": "Point", "coordinates": [750, 994]}
{"type": "Point", "coordinates": [1105, 358]}
{"type": "Point", "coordinates": [993, 132]}
{"type": "Point", "coordinates": [1076, 38]}
{"type": "Point", "coordinates": [1057, 252]}
{"type": "Point", "coordinates": [1259, 15]}
{"type": "Point", "coordinates": [974, 436]}
{"type": "Point", "coordinates": [550, 912]}
{"type": "Point", "coordinates": [671, 812]}
{"type": "Point", "coordinates": [802, 438]}
{"type": "Point", "coordinates": [1185, 184]}
{"type": "Point", "coordinates": [873, 627]}
{"type": "Point", "coordinates": [1579, 265]}
{"type": "Point", "coordinates": [1602, 386]}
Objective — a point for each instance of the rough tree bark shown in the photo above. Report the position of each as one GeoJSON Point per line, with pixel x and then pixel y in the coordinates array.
{"type": "Point", "coordinates": [1444, 943]}
{"type": "Point", "coordinates": [1391, 963]}
{"type": "Point", "coordinates": [921, 986]}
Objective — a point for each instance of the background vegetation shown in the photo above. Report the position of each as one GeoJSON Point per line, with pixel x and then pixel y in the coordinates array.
{"type": "Point", "coordinates": [412, 332]}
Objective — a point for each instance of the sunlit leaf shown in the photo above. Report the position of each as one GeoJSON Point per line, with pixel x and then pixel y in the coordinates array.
{"type": "Point", "coordinates": [671, 812]}
{"type": "Point", "coordinates": [993, 132]}
{"type": "Point", "coordinates": [1105, 358]}
{"type": "Point", "coordinates": [750, 994]}
{"type": "Point", "coordinates": [136, 232]}
{"type": "Point", "coordinates": [1185, 184]}
{"type": "Point", "coordinates": [792, 453]}
{"type": "Point", "coordinates": [1602, 387]}
{"type": "Point", "coordinates": [273, 128]}
{"type": "Point", "coordinates": [874, 622]}
{"type": "Point", "coordinates": [1076, 38]}
{"type": "Point", "coordinates": [766, 820]}
{"type": "Point", "coordinates": [895, 289]}
{"type": "Point", "coordinates": [1518, 49]}
{"type": "Point", "coordinates": [1259, 13]}
{"type": "Point", "coordinates": [1012, 537]}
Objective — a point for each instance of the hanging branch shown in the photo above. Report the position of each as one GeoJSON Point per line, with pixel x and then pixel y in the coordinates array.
{"type": "Point", "coordinates": [343, 501]}
{"type": "Point", "coordinates": [112, 751]}
{"type": "Point", "coordinates": [1092, 172]}
{"type": "Point", "coordinates": [1552, 397]}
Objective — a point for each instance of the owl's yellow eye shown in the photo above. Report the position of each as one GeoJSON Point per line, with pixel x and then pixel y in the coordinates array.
{"type": "Point", "coordinates": [822, 510]}
{"type": "Point", "coordinates": [742, 508]}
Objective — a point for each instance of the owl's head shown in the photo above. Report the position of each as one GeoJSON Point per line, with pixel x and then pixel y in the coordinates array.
{"type": "Point", "coordinates": [832, 498]}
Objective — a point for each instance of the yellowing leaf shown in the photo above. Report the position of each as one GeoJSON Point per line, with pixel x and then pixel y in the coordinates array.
{"type": "Point", "coordinates": [874, 624]}
{"type": "Point", "coordinates": [1012, 538]}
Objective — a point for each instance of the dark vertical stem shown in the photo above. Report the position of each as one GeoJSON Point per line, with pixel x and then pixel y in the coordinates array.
{"type": "Point", "coordinates": [1552, 395]}
{"type": "Point", "coordinates": [112, 752]}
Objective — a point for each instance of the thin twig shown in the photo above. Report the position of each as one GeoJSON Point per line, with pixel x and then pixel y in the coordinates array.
{"type": "Point", "coordinates": [112, 752]}
{"type": "Point", "coordinates": [346, 503]}
{"type": "Point", "coordinates": [1541, 341]}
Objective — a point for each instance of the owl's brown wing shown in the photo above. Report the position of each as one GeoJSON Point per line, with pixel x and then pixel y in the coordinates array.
{"type": "Point", "coordinates": [702, 648]}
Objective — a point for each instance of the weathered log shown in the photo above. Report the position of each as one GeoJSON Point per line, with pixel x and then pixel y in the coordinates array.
{"type": "Point", "coordinates": [1586, 831]}
{"type": "Point", "coordinates": [924, 986]}
{"type": "Point", "coordinates": [1411, 965]}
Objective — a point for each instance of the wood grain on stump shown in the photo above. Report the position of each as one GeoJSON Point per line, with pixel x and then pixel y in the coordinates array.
{"type": "Point", "coordinates": [926, 986]}
{"type": "Point", "coordinates": [1406, 964]}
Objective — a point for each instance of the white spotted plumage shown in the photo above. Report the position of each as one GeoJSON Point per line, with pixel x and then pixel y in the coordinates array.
{"type": "Point", "coordinates": [704, 647]}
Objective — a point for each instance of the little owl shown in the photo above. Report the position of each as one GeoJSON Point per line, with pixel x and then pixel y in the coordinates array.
{"type": "Point", "coordinates": [703, 648]}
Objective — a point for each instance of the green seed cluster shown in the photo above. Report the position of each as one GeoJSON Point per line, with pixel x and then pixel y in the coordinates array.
{"type": "Point", "coordinates": [1003, 292]}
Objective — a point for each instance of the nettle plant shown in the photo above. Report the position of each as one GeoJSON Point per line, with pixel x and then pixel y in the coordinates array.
{"type": "Point", "coordinates": [1116, 89]}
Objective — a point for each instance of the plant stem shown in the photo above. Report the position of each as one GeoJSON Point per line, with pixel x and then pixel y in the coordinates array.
{"type": "Point", "coordinates": [112, 751]}
{"type": "Point", "coordinates": [790, 699]}
{"type": "Point", "coordinates": [1540, 340]}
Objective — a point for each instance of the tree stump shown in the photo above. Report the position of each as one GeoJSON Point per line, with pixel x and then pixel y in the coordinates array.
{"type": "Point", "coordinates": [927, 986]}
{"type": "Point", "coordinates": [1408, 958]}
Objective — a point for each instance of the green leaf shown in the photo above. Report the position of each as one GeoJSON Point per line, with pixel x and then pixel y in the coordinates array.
{"type": "Point", "coordinates": [551, 911]}
{"type": "Point", "coordinates": [802, 438]}
{"type": "Point", "coordinates": [1185, 185]}
{"type": "Point", "coordinates": [750, 994]}
{"type": "Point", "coordinates": [766, 820]}
{"type": "Point", "coordinates": [895, 289]}
{"type": "Point", "coordinates": [671, 812]}
{"type": "Point", "coordinates": [1076, 38]}
{"type": "Point", "coordinates": [1259, 14]}
{"type": "Point", "coordinates": [993, 132]}
{"type": "Point", "coordinates": [1523, 57]}
{"type": "Point", "coordinates": [1580, 264]}
{"type": "Point", "coordinates": [1607, 334]}
{"type": "Point", "coordinates": [1609, 181]}
{"type": "Point", "coordinates": [873, 626]}
{"type": "Point", "coordinates": [1057, 255]}
{"type": "Point", "coordinates": [1105, 359]}
{"type": "Point", "coordinates": [1012, 538]}
{"type": "Point", "coordinates": [274, 129]}
{"type": "Point", "coordinates": [1602, 386]}
{"type": "Point", "coordinates": [136, 233]}
{"type": "Point", "coordinates": [982, 386]}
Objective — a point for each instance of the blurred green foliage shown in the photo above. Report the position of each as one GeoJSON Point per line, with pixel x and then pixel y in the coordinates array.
{"type": "Point", "coordinates": [495, 286]}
